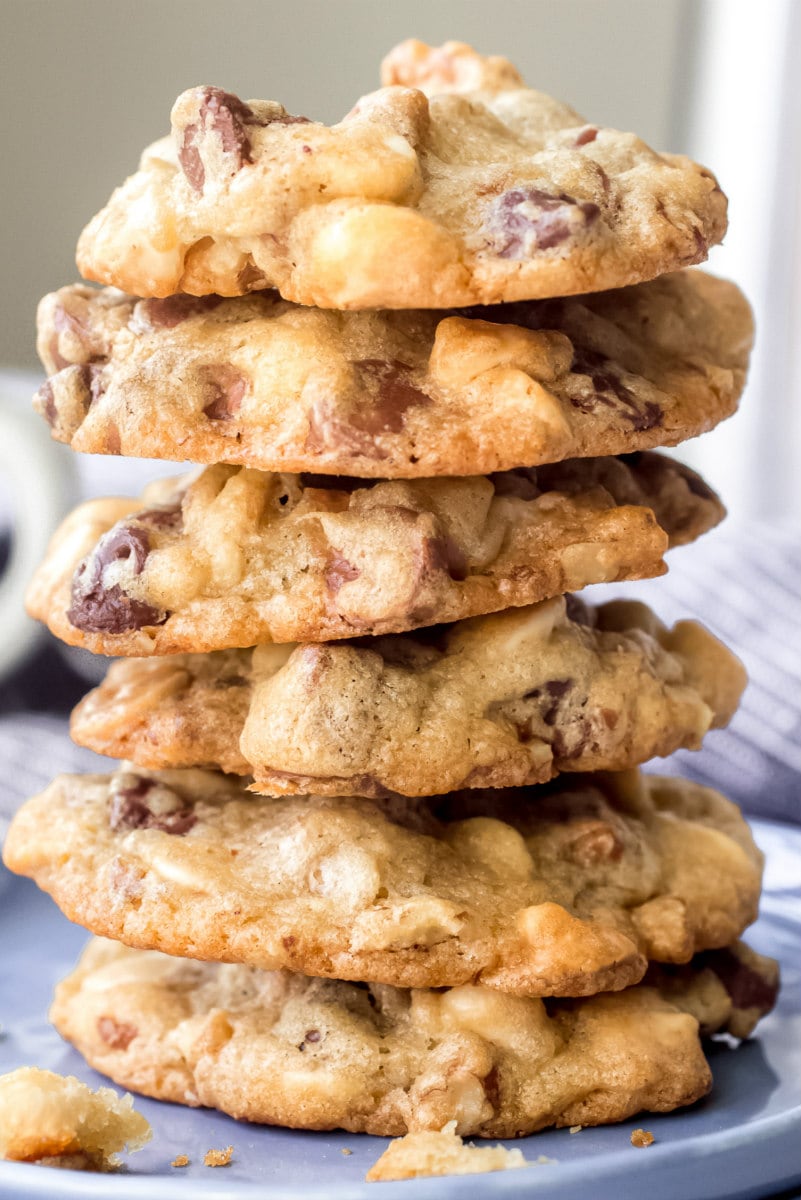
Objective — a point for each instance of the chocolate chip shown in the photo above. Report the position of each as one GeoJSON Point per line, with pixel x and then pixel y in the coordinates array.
{"type": "Point", "coordinates": [551, 693]}
{"type": "Point", "coordinates": [444, 554]}
{"type": "Point", "coordinates": [116, 1034]}
{"type": "Point", "coordinates": [190, 160]}
{"type": "Point", "coordinates": [97, 608]}
{"type": "Point", "coordinates": [391, 392]}
{"type": "Point", "coordinates": [129, 809]}
{"type": "Point", "coordinates": [93, 382]}
{"type": "Point", "coordinates": [228, 117]}
{"type": "Point", "coordinates": [339, 571]}
{"type": "Point", "coordinates": [524, 220]}
{"type": "Point", "coordinates": [225, 115]}
{"type": "Point", "coordinates": [746, 987]}
{"type": "Point", "coordinates": [67, 322]}
{"type": "Point", "coordinates": [124, 542]}
{"type": "Point", "coordinates": [226, 386]}
{"type": "Point", "coordinates": [386, 393]}
{"type": "Point", "coordinates": [170, 311]}
{"type": "Point", "coordinates": [45, 403]}
{"type": "Point", "coordinates": [610, 390]}
{"type": "Point", "coordinates": [310, 1037]}
{"type": "Point", "coordinates": [171, 517]}
{"type": "Point", "coordinates": [586, 136]}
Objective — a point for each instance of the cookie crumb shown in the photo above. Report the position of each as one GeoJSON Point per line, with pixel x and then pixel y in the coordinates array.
{"type": "Point", "coordinates": [58, 1121]}
{"type": "Point", "coordinates": [576, 1128]}
{"type": "Point", "coordinates": [218, 1158]}
{"type": "Point", "coordinates": [642, 1138]}
{"type": "Point", "coordinates": [345, 1151]}
{"type": "Point", "coordinates": [444, 1153]}
{"type": "Point", "coordinates": [180, 1160]}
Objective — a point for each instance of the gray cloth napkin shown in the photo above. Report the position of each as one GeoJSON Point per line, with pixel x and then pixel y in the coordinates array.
{"type": "Point", "coordinates": [743, 581]}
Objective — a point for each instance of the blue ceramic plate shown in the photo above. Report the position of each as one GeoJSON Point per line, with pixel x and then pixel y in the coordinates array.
{"type": "Point", "coordinates": [743, 1141]}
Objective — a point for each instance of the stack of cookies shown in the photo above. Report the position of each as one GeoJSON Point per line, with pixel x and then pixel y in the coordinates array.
{"type": "Point", "coordinates": [381, 857]}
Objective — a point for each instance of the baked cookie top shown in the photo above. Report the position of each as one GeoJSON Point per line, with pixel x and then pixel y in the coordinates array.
{"type": "Point", "coordinates": [57, 1121]}
{"type": "Point", "coordinates": [265, 383]}
{"type": "Point", "coordinates": [455, 184]}
{"type": "Point", "coordinates": [281, 1048]}
{"type": "Point", "coordinates": [234, 556]}
{"type": "Point", "coordinates": [498, 701]}
{"type": "Point", "coordinates": [560, 890]}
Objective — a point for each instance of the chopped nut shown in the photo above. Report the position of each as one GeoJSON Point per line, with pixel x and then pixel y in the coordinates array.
{"type": "Point", "coordinates": [345, 1151]}
{"type": "Point", "coordinates": [642, 1138]}
{"type": "Point", "coordinates": [576, 1128]}
{"type": "Point", "coordinates": [218, 1158]}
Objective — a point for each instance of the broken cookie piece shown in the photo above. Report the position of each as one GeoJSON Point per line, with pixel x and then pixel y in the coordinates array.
{"type": "Point", "coordinates": [442, 1153]}
{"type": "Point", "coordinates": [57, 1121]}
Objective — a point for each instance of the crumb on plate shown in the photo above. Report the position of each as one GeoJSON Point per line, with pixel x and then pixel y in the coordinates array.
{"type": "Point", "coordinates": [218, 1158]}
{"type": "Point", "coordinates": [642, 1138]}
{"type": "Point", "coordinates": [180, 1160]}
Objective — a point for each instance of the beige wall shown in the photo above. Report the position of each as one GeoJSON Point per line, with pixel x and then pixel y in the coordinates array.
{"type": "Point", "coordinates": [85, 84]}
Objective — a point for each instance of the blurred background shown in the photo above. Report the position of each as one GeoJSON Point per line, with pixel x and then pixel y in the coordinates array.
{"type": "Point", "coordinates": [86, 84]}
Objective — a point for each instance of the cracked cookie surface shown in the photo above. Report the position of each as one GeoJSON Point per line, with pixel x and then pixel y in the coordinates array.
{"type": "Point", "coordinates": [234, 556]}
{"type": "Point", "coordinates": [260, 382]}
{"type": "Point", "coordinates": [446, 187]}
{"type": "Point", "coordinates": [566, 889]}
{"type": "Point", "coordinates": [497, 701]}
{"type": "Point", "coordinates": [280, 1048]}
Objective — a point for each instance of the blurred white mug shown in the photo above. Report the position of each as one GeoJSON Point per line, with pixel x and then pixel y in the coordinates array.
{"type": "Point", "coordinates": [38, 484]}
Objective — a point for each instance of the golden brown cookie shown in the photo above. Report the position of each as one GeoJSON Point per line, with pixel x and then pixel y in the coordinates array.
{"type": "Point", "coordinates": [497, 701]}
{"type": "Point", "coordinates": [260, 382]}
{"type": "Point", "coordinates": [234, 557]}
{"type": "Point", "coordinates": [283, 1049]}
{"type": "Point", "coordinates": [456, 184]}
{"type": "Point", "coordinates": [560, 890]}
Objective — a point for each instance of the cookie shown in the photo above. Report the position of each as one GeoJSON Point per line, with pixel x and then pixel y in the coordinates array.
{"type": "Point", "coordinates": [262, 383]}
{"type": "Point", "coordinates": [559, 890]}
{"type": "Point", "coordinates": [497, 701]}
{"type": "Point", "coordinates": [234, 557]}
{"type": "Point", "coordinates": [57, 1121]}
{"type": "Point", "coordinates": [448, 187]}
{"type": "Point", "coordinates": [283, 1049]}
